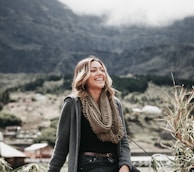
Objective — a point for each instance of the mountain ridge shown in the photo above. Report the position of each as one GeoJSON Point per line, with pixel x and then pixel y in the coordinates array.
{"type": "Point", "coordinates": [45, 36]}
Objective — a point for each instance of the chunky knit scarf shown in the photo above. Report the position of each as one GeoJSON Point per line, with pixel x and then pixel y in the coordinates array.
{"type": "Point", "coordinates": [104, 119]}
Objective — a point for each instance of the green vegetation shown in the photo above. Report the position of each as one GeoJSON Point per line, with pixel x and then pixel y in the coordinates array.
{"type": "Point", "coordinates": [56, 83]}
{"type": "Point", "coordinates": [34, 84]}
{"type": "Point", "coordinates": [166, 80]}
{"type": "Point", "coordinates": [4, 97]}
{"type": "Point", "coordinates": [48, 134]}
{"type": "Point", "coordinates": [8, 120]}
{"type": "Point", "coordinates": [38, 82]}
{"type": "Point", "coordinates": [128, 84]}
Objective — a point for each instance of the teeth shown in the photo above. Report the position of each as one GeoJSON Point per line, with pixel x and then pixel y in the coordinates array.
{"type": "Point", "coordinates": [99, 79]}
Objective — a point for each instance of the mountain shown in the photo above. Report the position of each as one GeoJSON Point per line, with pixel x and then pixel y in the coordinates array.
{"type": "Point", "coordinates": [46, 36]}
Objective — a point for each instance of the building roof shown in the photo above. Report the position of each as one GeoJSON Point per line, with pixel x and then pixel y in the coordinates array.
{"type": "Point", "coordinates": [7, 151]}
{"type": "Point", "coordinates": [36, 146]}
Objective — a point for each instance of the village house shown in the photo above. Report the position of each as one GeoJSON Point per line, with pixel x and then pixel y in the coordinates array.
{"type": "Point", "coordinates": [38, 152]}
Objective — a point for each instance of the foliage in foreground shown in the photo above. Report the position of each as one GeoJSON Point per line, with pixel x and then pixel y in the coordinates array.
{"type": "Point", "coordinates": [4, 166]}
{"type": "Point", "coordinates": [180, 123]}
{"type": "Point", "coordinates": [33, 167]}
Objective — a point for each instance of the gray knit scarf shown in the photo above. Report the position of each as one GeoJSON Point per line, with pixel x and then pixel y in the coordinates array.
{"type": "Point", "coordinates": [104, 119]}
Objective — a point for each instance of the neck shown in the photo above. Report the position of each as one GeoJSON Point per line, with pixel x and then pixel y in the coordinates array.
{"type": "Point", "coordinates": [95, 94]}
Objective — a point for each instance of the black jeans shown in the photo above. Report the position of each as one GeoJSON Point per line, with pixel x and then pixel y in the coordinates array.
{"type": "Point", "coordinates": [97, 164]}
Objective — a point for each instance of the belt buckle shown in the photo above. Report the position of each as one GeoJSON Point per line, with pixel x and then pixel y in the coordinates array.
{"type": "Point", "coordinates": [109, 158]}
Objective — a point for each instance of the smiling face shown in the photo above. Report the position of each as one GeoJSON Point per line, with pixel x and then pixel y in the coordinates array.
{"type": "Point", "coordinates": [97, 78]}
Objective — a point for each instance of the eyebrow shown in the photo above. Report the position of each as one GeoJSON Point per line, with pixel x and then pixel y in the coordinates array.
{"type": "Point", "coordinates": [97, 67]}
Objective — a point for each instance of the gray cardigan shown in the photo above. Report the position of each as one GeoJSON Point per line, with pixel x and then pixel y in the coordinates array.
{"type": "Point", "coordinates": [68, 138]}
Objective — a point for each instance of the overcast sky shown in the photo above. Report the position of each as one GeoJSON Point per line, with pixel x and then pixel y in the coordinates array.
{"type": "Point", "coordinates": [122, 12]}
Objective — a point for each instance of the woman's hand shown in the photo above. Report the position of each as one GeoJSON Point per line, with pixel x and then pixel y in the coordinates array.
{"type": "Point", "coordinates": [124, 168]}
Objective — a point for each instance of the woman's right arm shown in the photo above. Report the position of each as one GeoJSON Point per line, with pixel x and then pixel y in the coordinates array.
{"type": "Point", "coordinates": [61, 148]}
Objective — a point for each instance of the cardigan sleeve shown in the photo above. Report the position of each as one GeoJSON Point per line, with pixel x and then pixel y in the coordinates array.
{"type": "Point", "coordinates": [124, 152]}
{"type": "Point", "coordinates": [61, 148]}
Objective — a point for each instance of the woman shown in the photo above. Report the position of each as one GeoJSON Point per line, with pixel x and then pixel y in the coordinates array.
{"type": "Point", "coordinates": [91, 129]}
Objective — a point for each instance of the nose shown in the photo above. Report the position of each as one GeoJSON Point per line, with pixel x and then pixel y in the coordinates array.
{"type": "Point", "coordinates": [99, 71]}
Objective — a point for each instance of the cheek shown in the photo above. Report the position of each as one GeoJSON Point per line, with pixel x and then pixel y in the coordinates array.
{"type": "Point", "coordinates": [89, 81]}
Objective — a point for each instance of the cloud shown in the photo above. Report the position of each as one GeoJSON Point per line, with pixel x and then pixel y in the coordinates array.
{"type": "Point", "coordinates": [134, 12]}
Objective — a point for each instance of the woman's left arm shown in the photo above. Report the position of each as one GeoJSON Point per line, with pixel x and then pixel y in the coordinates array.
{"type": "Point", "coordinates": [125, 163]}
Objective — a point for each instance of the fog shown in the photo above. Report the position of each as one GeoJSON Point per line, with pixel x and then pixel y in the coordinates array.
{"type": "Point", "coordinates": [134, 12]}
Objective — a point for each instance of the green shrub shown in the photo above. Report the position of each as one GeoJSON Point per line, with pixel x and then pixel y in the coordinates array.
{"type": "Point", "coordinates": [54, 78]}
{"type": "Point", "coordinates": [54, 122]}
{"type": "Point", "coordinates": [4, 96]}
{"type": "Point", "coordinates": [166, 80]}
{"type": "Point", "coordinates": [47, 135]}
{"type": "Point", "coordinates": [67, 80]}
{"type": "Point", "coordinates": [8, 120]}
{"type": "Point", "coordinates": [33, 85]}
{"type": "Point", "coordinates": [126, 84]}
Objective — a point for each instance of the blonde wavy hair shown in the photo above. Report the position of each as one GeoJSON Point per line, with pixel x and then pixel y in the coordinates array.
{"type": "Point", "coordinates": [81, 75]}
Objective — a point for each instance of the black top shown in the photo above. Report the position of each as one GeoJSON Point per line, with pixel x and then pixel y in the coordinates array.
{"type": "Point", "coordinates": [90, 142]}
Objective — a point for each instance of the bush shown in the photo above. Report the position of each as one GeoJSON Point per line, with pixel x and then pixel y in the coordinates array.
{"type": "Point", "coordinates": [47, 135]}
{"type": "Point", "coordinates": [8, 120]}
{"type": "Point", "coordinates": [180, 120]}
{"type": "Point", "coordinates": [126, 85]}
{"type": "Point", "coordinates": [4, 97]}
{"type": "Point", "coordinates": [53, 77]}
{"type": "Point", "coordinates": [33, 85]}
{"type": "Point", "coordinates": [166, 80]}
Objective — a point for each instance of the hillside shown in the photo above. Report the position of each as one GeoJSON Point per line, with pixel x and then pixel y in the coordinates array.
{"type": "Point", "coordinates": [45, 36]}
{"type": "Point", "coordinates": [143, 128]}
